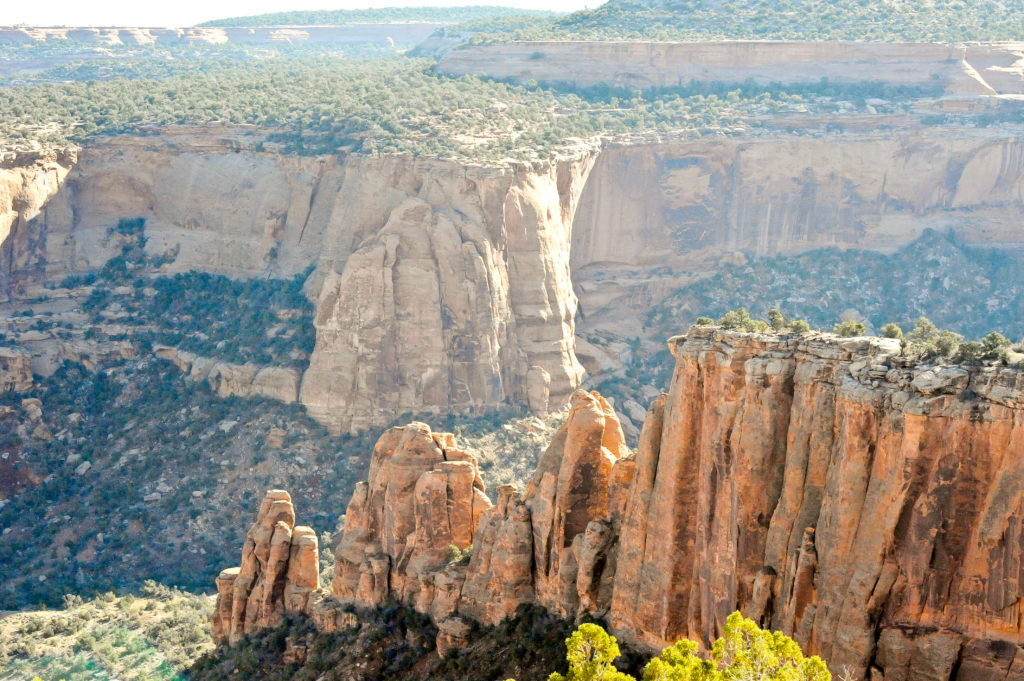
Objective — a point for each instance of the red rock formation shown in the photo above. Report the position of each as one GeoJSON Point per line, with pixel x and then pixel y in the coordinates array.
{"type": "Point", "coordinates": [869, 508]}
{"type": "Point", "coordinates": [826, 487]}
{"type": "Point", "coordinates": [423, 496]}
{"type": "Point", "coordinates": [280, 569]}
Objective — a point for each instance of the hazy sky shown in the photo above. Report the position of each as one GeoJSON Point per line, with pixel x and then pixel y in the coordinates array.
{"type": "Point", "coordinates": [188, 12]}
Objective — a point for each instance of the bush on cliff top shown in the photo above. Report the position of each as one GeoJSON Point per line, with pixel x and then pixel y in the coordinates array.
{"type": "Point", "coordinates": [925, 341]}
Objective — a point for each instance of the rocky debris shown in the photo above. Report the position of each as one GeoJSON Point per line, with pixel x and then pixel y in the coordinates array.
{"type": "Point", "coordinates": [226, 379]}
{"type": "Point", "coordinates": [275, 437]}
{"type": "Point", "coordinates": [33, 408]}
{"type": "Point", "coordinates": [802, 479]}
{"type": "Point", "coordinates": [15, 370]}
{"type": "Point", "coordinates": [452, 634]}
{"type": "Point", "coordinates": [279, 572]}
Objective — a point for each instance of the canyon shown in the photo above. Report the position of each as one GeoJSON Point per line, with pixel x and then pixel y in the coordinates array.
{"type": "Point", "coordinates": [864, 503]}
{"type": "Point", "coordinates": [442, 286]}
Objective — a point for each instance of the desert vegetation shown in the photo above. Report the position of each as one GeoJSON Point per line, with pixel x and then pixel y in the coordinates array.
{"type": "Point", "coordinates": [153, 634]}
{"type": "Point", "coordinates": [385, 105]}
{"type": "Point", "coordinates": [901, 20]}
{"type": "Point", "coordinates": [378, 15]}
{"type": "Point", "coordinates": [396, 643]}
{"type": "Point", "coordinates": [925, 342]}
{"type": "Point", "coordinates": [934, 276]}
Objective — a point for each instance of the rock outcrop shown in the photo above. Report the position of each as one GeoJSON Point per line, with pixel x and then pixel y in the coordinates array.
{"type": "Point", "coordinates": [814, 485]}
{"type": "Point", "coordinates": [227, 379]}
{"type": "Point", "coordinates": [830, 488]}
{"type": "Point", "coordinates": [438, 286]}
{"type": "Point", "coordinates": [27, 181]}
{"type": "Point", "coordinates": [960, 70]}
{"type": "Point", "coordinates": [423, 496]}
{"type": "Point", "coordinates": [445, 287]}
{"type": "Point", "coordinates": [15, 370]}
{"type": "Point", "coordinates": [280, 572]}
{"type": "Point", "coordinates": [462, 299]}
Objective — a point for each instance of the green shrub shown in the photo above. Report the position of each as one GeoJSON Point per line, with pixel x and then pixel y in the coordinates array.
{"type": "Point", "coordinates": [850, 329]}
{"type": "Point", "coordinates": [892, 330]}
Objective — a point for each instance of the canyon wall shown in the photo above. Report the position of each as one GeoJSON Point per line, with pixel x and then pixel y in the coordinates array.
{"type": "Point", "coordinates": [441, 286]}
{"type": "Point", "coordinates": [958, 69]}
{"type": "Point", "coordinates": [118, 35]}
{"type": "Point", "coordinates": [654, 217]}
{"type": "Point", "coordinates": [438, 286]}
{"type": "Point", "coordinates": [831, 489]}
{"type": "Point", "coordinates": [867, 505]}
{"type": "Point", "coordinates": [28, 180]}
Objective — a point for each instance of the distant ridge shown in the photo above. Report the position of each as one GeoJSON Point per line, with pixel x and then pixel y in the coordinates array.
{"type": "Point", "coordinates": [929, 21]}
{"type": "Point", "coordinates": [438, 15]}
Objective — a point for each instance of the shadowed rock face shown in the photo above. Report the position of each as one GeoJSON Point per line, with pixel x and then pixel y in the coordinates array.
{"type": "Point", "coordinates": [438, 286]}
{"type": "Point", "coordinates": [829, 488]}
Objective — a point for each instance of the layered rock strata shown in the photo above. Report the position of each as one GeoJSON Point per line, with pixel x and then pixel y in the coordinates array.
{"type": "Point", "coordinates": [227, 379]}
{"type": "Point", "coordinates": [830, 488]}
{"type": "Point", "coordinates": [280, 571]}
{"type": "Point", "coordinates": [958, 69]}
{"type": "Point", "coordinates": [444, 287]}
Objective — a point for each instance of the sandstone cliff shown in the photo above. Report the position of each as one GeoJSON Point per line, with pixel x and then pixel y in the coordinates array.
{"type": "Point", "coordinates": [445, 287]}
{"type": "Point", "coordinates": [438, 286]}
{"type": "Point", "coordinates": [823, 487]}
{"type": "Point", "coordinates": [657, 216]}
{"type": "Point", "coordinates": [641, 65]}
{"type": "Point", "coordinates": [27, 181]}
{"type": "Point", "coordinates": [827, 487]}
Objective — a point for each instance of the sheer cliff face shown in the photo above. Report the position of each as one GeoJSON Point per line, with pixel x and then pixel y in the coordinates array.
{"type": "Point", "coordinates": [826, 487]}
{"type": "Point", "coordinates": [438, 286]}
{"type": "Point", "coordinates": [462, 299]}
{"type": "Point", "coordinates": [870, 510]}
{"type": "Point", "coordinates": [27, 181]}
{"type": "Point", "coordinates": [444, 287]}
{"type": "Point", "coordinates": [643, 65]}
{"type": "Point", "coordinates": [694, 205]}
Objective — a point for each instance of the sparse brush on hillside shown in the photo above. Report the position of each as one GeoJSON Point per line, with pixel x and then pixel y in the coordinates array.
{"type": "Point", "coordinates": [382, 15]}
{"type": "Point", "coordinates": [153, 635]}
{"type": "Point", "coordinates": [395, 643]}
{"type": "Point", "coordinates": [271, 320]}
{"type": "Point", "coordinates": [925, 342]}
{"type": "Point", "coordinates": [897, 20]}
{"type": "Point", "coordinates": [934, 276]}
{"type": "Point", "coordinates": [170, 468]}
{"type": "Point", "coordinates": [373, 106]}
